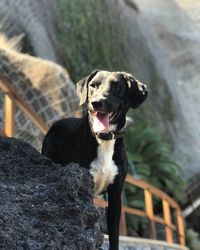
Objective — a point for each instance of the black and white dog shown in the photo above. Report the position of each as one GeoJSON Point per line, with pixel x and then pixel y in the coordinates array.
{"type": "Point", "coordinates": [96, 140]}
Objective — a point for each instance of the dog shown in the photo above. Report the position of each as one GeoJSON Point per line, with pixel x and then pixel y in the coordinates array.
{"type": "Point", "coordinates": [96, 140]}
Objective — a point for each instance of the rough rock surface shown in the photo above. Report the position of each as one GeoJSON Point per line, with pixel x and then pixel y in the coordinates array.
{"type": "Point", "coordinates": [34, 18]}
{"type": "Point", "coordinates": [44, 205]}
{"type": "Point", "coordinates": [164, 51]}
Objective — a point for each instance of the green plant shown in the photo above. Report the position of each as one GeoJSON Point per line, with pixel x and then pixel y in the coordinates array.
{"type": "Point", "coordinates": [192, 239]}
{"type": "Point", "coordinates": [150, 159]}
{"type": "Point", "coordinates": [90, 36]}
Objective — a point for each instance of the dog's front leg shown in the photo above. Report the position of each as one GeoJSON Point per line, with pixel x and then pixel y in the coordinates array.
{"type": "Point", "coordinates": [113, 218]}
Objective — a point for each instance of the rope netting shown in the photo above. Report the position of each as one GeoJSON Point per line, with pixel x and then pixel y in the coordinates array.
{"type": "Point", "coordinates": [43, 85]}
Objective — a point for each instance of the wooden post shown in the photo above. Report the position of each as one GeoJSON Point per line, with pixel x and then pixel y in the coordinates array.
{"type": "Point", "coordinates": [23, 106]}
{"type": "Point", "coordinates": [2, 132]}
{"type": "Point", "coordinates": [180, 224]}
{"type": "Point", "coordinates": [9, 116]}
{"type": "Point", "coordinates": [167, 219]}
{"type": "Point", "coordinates": [123, 228]}
{"type": "Point", "coordinates": [150, 213]}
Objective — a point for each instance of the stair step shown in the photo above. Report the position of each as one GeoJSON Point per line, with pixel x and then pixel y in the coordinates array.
{"type": "Point", "coordinates": [132, 243]}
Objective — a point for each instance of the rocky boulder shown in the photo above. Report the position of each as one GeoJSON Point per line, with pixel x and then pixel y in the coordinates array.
{"type": "Point", "coordinates": [163, 50]}
{"type": "Point", "coordinates": [44, 205]}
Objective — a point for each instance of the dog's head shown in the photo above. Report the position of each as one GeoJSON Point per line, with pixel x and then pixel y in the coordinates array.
{"type": "Point", "coordinates": [108, 96]}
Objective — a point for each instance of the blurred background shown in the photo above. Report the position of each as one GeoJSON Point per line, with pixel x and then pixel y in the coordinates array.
{"type": "Point", "coordinates": [46, 46]}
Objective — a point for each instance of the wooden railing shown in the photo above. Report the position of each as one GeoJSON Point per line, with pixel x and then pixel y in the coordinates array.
{"type": "Point", "coordinates": [167, 204]}
{"type": "Point", "coordinates": [13, 99]}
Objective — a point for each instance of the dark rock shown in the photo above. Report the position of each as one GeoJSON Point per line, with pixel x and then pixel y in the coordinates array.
{"type": "Point", "coordinates": [44, 205]}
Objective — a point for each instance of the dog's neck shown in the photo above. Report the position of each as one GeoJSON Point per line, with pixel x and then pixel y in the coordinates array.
{"type": "Point", "coordinates": [110, 135]}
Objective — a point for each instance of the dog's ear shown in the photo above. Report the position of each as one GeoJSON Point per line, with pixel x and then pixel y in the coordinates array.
{"type": "Point", "coordinates": [137, 91]}
{"type": "Point", "coordinates": [82, 87]}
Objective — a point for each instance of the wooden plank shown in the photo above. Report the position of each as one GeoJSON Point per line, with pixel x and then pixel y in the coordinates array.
{"type": "Point", "coordinates": [159, 220]}
{"type": "Point", "coordinates": [149, 212]}
{"type": "Point", "coordinates": [173, 227]}
{"type": "Point", "coordinates": [167, 219]}
{"type": "Point", "coordinates": [181, 228]}
{"type": "Point", "coordinates": [136, 182]}
{"type": "Point", "coordinates": [27, 109]}
{"type": "Point", "coordinates": [9, 116]}
{"type": "Point", "coordinates": [123, 227]}
{"type": "Point", "coordinates": [134, 211]}
{"type": "Point", "coordinates": [142, 184]}
{"type": "Point", "coordinates": [98, 202]}
{"type": "Point", "coordinates": [102, 203]}
{"type": "Point", "coordinates": [2, 132]}
{"type": "Point", "coordinates": [162, 221]}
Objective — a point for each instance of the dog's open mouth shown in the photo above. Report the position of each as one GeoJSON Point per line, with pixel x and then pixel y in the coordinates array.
{"type": "Point", "coordinates": [101, 121]}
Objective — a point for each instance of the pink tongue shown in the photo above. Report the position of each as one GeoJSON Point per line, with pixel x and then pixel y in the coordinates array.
{"type": "Point", "coordinates": [100, 123]}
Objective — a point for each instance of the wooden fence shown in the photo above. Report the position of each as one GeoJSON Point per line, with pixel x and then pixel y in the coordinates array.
{"type": "Point", "coordinates": [12, 99]}
{"type": "Point", "coordinates": [168, 204]}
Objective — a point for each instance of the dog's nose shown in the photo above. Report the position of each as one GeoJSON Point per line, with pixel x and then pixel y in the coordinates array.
{"type": "Point", "coordinates": [97, 105]}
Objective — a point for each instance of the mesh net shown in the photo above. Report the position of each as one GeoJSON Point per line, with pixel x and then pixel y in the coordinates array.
{"type": "Point", "coordinates": [43, 85]}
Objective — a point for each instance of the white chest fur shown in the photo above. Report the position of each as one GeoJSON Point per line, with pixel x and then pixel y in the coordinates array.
{"type": "Point", "coordinates": [103, 167]}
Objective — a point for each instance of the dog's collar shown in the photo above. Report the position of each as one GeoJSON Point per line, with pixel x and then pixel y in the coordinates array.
{"type": "Point", "coordinates": [110, 135]}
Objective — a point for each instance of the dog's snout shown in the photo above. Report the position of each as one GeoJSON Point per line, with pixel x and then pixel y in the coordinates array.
{"type": "Point", "coordinates": [97, 104]}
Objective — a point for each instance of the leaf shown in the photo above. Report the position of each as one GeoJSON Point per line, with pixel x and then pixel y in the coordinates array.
{"type": "Point", "coordinates": [139, 204]}
{"type": "Point", "coordinates": [136, 158]}
{"type": "Point", "coordinates": [143, 169]}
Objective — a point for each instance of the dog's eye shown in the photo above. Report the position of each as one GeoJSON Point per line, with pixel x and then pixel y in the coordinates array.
{"type": "Point", "coordinates": [93, 85]}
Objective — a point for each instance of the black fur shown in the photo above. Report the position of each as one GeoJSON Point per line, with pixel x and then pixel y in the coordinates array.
{"type": "Point", "coordinates": [73, 139]}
